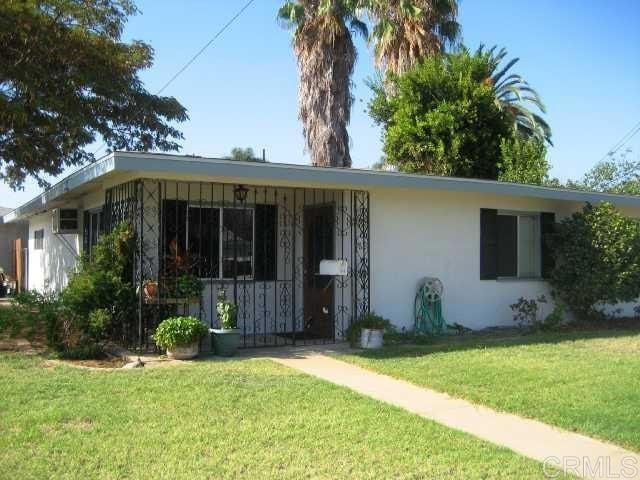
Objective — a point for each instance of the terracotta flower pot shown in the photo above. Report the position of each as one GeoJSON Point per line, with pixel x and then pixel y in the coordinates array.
{"type": "Point", "coordinates": [150, 290]}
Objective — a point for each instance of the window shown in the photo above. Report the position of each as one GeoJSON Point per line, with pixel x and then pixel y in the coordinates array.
{"type": "Point", "coordinates": [513, 244]}
{"type": "Point", "coordinates": [92, 229]}
{"type": "Point", "coordinates": [68, 220]}
{"type": "Point", "coordinates": [223, 242]}
{"type": "Point", "coordinates": [38, 239]}
{"type": "Point", "coordinates": [237, 242]}
{"type": "Point", "coordinates": [204, 240]}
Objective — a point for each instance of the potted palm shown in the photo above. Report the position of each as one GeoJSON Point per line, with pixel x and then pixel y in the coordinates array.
{"type": "Point", "coordinates": [226, 339]}
{"type": "Point", "coordinates": [180, 336]}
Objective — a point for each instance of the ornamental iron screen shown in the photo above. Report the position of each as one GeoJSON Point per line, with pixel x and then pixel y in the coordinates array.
{"type": "Point", "coordinates": [262, 245]}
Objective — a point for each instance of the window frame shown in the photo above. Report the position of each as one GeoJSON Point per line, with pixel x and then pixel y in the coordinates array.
{"type": "Point", "coordinates": [537, 244]}
{"type": "Point", "coordinates": [38, 243]}
{"type": "Point", "coordinates": [221, 209]}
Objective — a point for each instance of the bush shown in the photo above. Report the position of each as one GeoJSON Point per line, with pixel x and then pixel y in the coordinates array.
{"type": "Point", "coordinates": [527, 314]}
{"type": "Point", "coordinates": [177, 331]}
{"type": "Point", "coordinates": [100, 296]}
{"type": "Point", "coordinates": [30, 313]}
{"type": "Point", "coordinates": [368, 321]}
{"type": "Point", "coordinates": [597, 260]}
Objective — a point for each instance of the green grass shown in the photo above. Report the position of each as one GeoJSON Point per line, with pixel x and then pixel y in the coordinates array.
{"type": "Point", "coordinates": [221, 419]}
{"type": "Point", "coordinates": [585, 382]}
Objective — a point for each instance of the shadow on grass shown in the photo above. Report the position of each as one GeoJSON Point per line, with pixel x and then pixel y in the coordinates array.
{"type": "Point", "coordinates": [483, 340]}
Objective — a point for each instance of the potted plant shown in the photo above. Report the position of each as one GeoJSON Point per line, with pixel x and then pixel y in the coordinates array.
{"type": "Point", "coordinates": [368, 331]}
{"type": "Point", "coordinates": [226, 338]}
{"type": "Point", "coordinates": [180, 336]}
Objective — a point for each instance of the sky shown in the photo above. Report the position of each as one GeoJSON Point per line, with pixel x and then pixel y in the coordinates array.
{"type": "Point", "coordinates": [582, 56]}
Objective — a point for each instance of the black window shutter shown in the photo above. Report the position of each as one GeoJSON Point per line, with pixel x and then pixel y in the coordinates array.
{"type": "Point", "coordinates": [507, 227]}
{"type": "Point", "coordinates": [488, 244]}
{"type": "Point", "coordinates": [85, 232]}
{"type": "Point", "coordinates": [548, 228]}
{"type": "Point", "coordinates": [265, 242]}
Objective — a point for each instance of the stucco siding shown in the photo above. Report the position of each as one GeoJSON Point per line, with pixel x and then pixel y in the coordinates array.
{"type": "Point", "coordinates": [49, 268]}
{"type": "Point", "coordinates": [416, 234]}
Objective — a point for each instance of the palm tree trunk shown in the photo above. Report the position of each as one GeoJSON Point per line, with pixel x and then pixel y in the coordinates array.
{"type": "Point", "coordinates": [326, 57]}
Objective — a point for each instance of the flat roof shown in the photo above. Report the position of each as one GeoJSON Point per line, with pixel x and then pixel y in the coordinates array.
{"type": "Point", "coordinates": [158, 163]}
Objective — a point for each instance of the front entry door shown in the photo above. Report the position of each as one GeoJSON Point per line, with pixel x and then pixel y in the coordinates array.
{"type": "Point", "coordinates": [319, 244]}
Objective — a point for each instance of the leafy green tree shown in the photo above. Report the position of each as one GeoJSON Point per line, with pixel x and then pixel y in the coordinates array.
{"type": "Point", "coordinates": [524, 161]}
{"type": "Point", "coordinates": [442, 118]}
{"type": "Point", "coordinates": [614, 175]}
{"type": "Point", "coordinates": [449, 115]}
{"type": "Point", "coordinates": [326, 56]}
{"type": "Point", "coordinates": [598, 260]}
{"type": "Point", "coordinates": [244, 155]}
{"type": "Point", "coordinates": [67, 79]}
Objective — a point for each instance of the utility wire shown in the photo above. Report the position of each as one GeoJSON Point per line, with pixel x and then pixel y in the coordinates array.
{"type": "Point", "coordinates": [198, 53]}
{"type": "Point", "coordinates": [625, 138]}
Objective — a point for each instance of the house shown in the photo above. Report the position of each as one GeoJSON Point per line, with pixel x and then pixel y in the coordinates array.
{"type": "Point", "coordinates": [260, 231]}
{"type": "Point", "coordinates": [13, 241]}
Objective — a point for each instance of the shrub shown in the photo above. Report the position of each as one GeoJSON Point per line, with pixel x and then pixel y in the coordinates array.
{"type": "Point", "coordinates": [30, 313]}
{"type": "Point", "coordinates": [526, 311]}
{"type": "Point", "coordinates": [177, 331]}
{"type": "Point", "coordinates": [597, 260]}
{"type": "Point", "coordinates": [368, 321]}
{"type": "Point", "coordinates": [527, 314]}
{"type": "Point", "coordinates": [100, 296]}
{"type": "Point", "coordinates": [555, 318]}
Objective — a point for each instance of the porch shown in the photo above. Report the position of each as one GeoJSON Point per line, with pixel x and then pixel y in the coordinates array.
{"type": "Point", "coordinates": [262, 245]}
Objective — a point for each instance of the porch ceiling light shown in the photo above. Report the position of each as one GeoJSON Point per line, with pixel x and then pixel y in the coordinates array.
{"type": "Point", "coordinates": [240, 191]}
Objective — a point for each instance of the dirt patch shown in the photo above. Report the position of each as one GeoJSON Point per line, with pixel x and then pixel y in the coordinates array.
{"type": "Point", "coordinates": [33, 346]}
{"type": "Point", "coordinates": [98, 363]}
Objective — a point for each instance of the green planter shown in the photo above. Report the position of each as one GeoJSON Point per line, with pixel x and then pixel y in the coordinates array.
{"type": "Point", "coordinates": [226, 341]}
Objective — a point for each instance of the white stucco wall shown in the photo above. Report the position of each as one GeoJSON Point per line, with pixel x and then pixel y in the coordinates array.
{"type": "Point", "coordinates": [417, 233]}
{"type": "Point", "coordinates": [50, 267]}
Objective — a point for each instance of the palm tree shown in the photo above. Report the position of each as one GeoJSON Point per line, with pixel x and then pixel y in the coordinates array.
{"type": "Point", "coordinates": [405, 31]}
{"type": "Point", "coordinates": [326, 56]}
{"type": "Point", "coordinates": [512, 94]}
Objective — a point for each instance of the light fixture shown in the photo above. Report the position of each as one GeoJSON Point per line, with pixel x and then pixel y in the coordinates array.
{"type": "Point", "coordinates": [240, 192]}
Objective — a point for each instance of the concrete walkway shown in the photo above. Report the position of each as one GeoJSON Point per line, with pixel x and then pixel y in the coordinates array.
{"type": "Point", "coordinates": [574, 453]}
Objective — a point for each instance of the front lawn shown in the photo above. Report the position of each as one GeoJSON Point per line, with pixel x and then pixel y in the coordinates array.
{"type": "Point", "coordinates": [586, 382]}
{"type": "Point", "coordinates": [221, 419]}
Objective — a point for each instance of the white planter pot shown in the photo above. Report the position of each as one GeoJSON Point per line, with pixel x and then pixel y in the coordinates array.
{"type": "Point", "coordinates": [184, 352]}
{"type": "Point", "coordinates": [371, 339]}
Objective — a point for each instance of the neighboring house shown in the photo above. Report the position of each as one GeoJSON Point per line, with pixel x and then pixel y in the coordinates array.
{"type": "Point", "coordinates": [13, 235]}
{"type": "Point", "coordinates": [261, 231]}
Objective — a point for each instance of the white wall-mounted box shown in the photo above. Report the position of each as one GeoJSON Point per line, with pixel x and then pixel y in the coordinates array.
{"type": "Point", "coordinates": [335, 268]}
